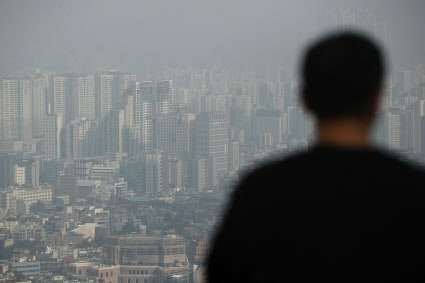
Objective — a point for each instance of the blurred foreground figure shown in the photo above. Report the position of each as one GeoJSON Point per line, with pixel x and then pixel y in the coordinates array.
{"type": "Point", "coordinates": [341, 211]}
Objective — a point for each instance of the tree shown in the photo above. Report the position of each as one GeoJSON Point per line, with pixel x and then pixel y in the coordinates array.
{"type": "Point", "coordinates": [99, 240]}
{"type": "Point", "coordinates": [128, 228]}
{"type": "Point", "coordinates": [19, 276]}
{"type": "Point", "coordinates": [84, 244]}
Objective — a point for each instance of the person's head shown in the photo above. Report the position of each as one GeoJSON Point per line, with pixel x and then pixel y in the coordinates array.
{"type": "Point", "coordinates": [341, 77]}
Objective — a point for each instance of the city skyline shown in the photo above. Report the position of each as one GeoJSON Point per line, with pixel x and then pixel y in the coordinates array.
{"type": "Point", "coordinates": [126, 128]}
{"type": "Point", "coordinates": [198, 34]}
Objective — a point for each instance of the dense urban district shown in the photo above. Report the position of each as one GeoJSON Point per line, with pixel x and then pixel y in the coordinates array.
{"type": "Point", "coordinates": [104, 178]}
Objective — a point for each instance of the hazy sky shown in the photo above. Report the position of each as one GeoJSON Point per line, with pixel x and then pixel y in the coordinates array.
{"type": "Point", "coordinates": [136, 35]}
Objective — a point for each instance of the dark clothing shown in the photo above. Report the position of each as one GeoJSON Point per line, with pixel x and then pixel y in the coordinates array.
{"type": "Point", "coordinates": [329, 214]}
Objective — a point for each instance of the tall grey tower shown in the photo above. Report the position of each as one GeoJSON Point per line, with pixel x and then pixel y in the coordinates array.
{"type": "Point", "coordinates": [211, 130]}
{"type": "Point", "coordinates": [73, 96]}
{"type": "Point", "coordinates": [52, 141]}
{"type": "Point", "coordinates": [163, 98]}
{"type": "Point", "coordinates": [16, 109]}
{"type": "Point", "coordinates": [110, 87]}
{"type": "Point", "coordinates": [39, 87]}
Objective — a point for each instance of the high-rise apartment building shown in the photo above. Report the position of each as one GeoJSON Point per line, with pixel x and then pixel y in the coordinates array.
{"type": "Point", "coordinates": [85, 97]}
{"type": "Point", "coordinates": [113, 131]}
{"type": "Point", "coordinates": [174, 133]}
{"type": "Point", "coordinates": [82, 139]}
{"type": "Point", "coordinates": [73, 96]}
{"type": "Point", "coordinates": [404, 80]}
{"type": "Point", "coordinates": [204, 173]}
{"type": "Point", "coordinates": [52, 138]}
{"type": "Point", "coordinates": [137, 105]}
{"type": "Point", "coordinates": [419, 126]}
{"type": "Point", "coordinates": [211, 138]}
{"type": "Point", "coordinates": [175, 173]}
{"type": "Point", "coordinates": [7, 165]}
{"type": "Point", "coordinates": [110, 87]}
{"type": "Point", "coordinates": [16, 109]}
{"type": "Point", "coordinates": [266, 93]}
{"type": "Point", "coordinates": [298, 125]}
{"type": "Point", "coordinates": [290, 95]}
{"type": "Point", "coordinates": [393, 119]}
{"type": "Point", "coordinates": [63, 97]}
{"type": "Point", "coordinates": [156, 172]}
{"type": "Point", "coordinates": [268, 121]}
{"type": "Point", "coordinates": [163, 98]}
{"type": "Point", "coordinates": [234, 156]}
{"type": "Point", "coordinates": [407, 130]}
{"type": "Point", "coordinates": [39, 88]}
{"type": "Point", "coordinates": [160, 94]}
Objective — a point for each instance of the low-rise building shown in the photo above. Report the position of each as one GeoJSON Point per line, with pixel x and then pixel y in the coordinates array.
{"type": "Point", "coordinates": [25, 266]}
{"type": "Point", "coordinates": [125, 273]}
{"type": "Point", "coordinates": [9, 198]}
{"type": "Point", "coordinates": [146, 250]}
{"type": "Point", "coordinates": [28, 231]}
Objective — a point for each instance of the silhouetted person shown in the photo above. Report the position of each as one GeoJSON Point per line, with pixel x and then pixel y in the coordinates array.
{"type": "Point", "coordinates": [341, 211]}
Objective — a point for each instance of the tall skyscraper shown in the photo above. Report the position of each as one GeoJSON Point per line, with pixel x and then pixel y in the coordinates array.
{"type": "Point", "coordinates": [404, 81]}
{"type": "Point", "coordinates": [407, 130]}
{"type": "Point", "coordinates": [113, 131]}
{"type": "Point", "coordinates": [16, 109]}
{"type": "Point", "coordinates": [204, 173]}
{"type": "Point", "coordinates": [266, 92]}
{"type": "Point", "coordinates": [52, 141]}
{"type": "Point", "coordinates": [39, 86]}
{"type": "Point", "coordinates": [290, 93]}
{"type": "Point", "coordinates": [175, 173]}
{"type": "Point", "coordinates": [393, 119]}
{"type": "Point", "coordinates": [211, 138]}
{"type": "Point", "coordinates": [82, 139]}
{"type": "Point", "coordinates": [110, 87]}
{"type": "Point", "coordinates": [139, 118]}
{"type": "Point", "coordinates": [163, 98]}
{"type": "Point", "coordinates": [156, 169]}
{"type": "Point", "coordinates": [62, 97]}
{"type": "Point", "coordinates": [84, 97]}
{"type": "Point", "coordinates": [73, 96]}
{"type": "Point", "coordinates": [268, 121]}
{"type": "Point", "coordinates": [173, 133]}
{"type": "Point", "coordinates": [7, 165]}
{"type": "Point", "coordinates": [234, 156]}
{"type": "Point", "coordinates": [299, 126]}
{"type": "Point", "coordinates": [160, 94]}
{"type": "Point", "coordinates": [420, 127]}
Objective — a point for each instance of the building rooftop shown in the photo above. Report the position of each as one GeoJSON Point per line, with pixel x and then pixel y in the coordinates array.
{"type": "Point", "coordinates": [137, 198]}
{"type": "Point", "coordinates": [86, 182]}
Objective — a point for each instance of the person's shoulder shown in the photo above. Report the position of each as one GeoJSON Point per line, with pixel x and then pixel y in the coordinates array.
{"type": "Point", "coordinates": [275, 168]}
{"type": "Point", "coordinates": [279, 162]}
{"type": "Point", "coordinates": [396, 163]}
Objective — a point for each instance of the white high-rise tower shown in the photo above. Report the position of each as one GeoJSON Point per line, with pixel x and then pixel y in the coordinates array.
{"type": "Point", "coordinates": [16, 109]}
{"type": "Point", "coordinates": [110, 87]}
